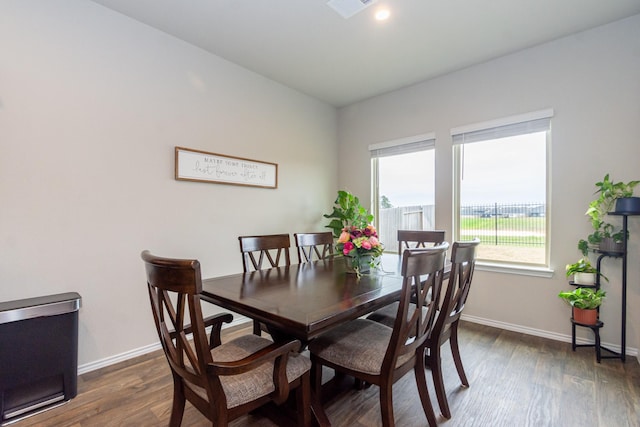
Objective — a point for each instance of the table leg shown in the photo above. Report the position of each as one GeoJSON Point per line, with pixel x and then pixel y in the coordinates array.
{"type": "Point", "coordinates": [320, 418]}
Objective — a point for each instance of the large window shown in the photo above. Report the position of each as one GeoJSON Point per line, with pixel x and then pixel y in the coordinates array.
{"type": "Point", "coordinates": [501, 188]}
{"type": "Point", "coordinates": [403, 187]}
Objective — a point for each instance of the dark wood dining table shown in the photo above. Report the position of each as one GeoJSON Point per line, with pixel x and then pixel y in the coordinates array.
{"type": "Point", "coordinates": [304, 300]}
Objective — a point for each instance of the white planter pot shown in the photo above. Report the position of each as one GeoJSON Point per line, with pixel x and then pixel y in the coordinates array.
{"type": "Point", "coordinates": [584, 278]}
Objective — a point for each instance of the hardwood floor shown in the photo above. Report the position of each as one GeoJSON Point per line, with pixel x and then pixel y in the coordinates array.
{"type": "Point", "coordinates": [516, 380]}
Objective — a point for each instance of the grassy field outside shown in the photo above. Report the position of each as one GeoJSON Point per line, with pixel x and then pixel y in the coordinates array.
{"type": "Point", "coordinates": [530, 224]}
{"type": "Point", "coordinates": [513, 239]}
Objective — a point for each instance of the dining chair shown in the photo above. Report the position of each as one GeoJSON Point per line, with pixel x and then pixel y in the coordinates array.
{"type": "Point", "coordinates": [223, 381]}
{"type": "Point", "coordinates": [314, 246]}
{"type": "Point", "coordinates": [419, 238]}
{"type": "Point", "coordinates": [408, 239]}
{"type": "Point", "coordinates": [463, 258]}
{"type": "Point", "coordinates": [376, 354]}
{"type": "Point", "coordinates": [256, 249]}
{"type": "Point", "coordinates": [274, 248]}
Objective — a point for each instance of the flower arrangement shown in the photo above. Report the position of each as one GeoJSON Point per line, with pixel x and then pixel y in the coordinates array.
{"type": "Point", "coordinates": [357, 238]}
{"type": "Point", "coordinates": [361, 245]}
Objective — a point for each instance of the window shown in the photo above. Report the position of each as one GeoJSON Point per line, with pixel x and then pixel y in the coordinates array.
{"type": "Point", "coordinates": [403, 187]}
{"type": "Point", "coordinates": [501, 188]}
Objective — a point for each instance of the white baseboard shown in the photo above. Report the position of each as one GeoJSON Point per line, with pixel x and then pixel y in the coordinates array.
{"type": "Point", "coordinates": [102, 363]}
{"type": "Point", "coordinates": [108, 361]}
{"type": "Point", "coordinates": [543, 334]}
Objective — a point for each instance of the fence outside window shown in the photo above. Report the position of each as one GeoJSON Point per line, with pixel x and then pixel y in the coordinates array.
{"type": "Point", "coordinates": [513, 224]}
{"type": "Point", "coordinates": [498, 224]}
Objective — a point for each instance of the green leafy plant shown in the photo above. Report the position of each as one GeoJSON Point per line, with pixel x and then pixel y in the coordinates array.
{"type": "Point", "coordinates": [583, 265]}
{"type": "Point", "coordinates": [608, 192]}
{"type": "Point", "coordinates": [585, 298]}
{"type": "Point", "coordinates": [357, 237]}
{"type": "Point", "coordinates": [347, 212]}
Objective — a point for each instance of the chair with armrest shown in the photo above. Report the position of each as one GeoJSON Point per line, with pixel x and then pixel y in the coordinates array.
{"type": "Point", "coordinates": [223, 381]}
{"type": "Point", "coordinates": [376, 354]}
{"type": "Point", "coordinates": [272, 249]}
{"type": "Point", "coordinates": [314, 246]}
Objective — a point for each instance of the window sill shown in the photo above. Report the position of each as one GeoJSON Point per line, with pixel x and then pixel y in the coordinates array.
{"type": "Point", "coordinates": [522, 270]}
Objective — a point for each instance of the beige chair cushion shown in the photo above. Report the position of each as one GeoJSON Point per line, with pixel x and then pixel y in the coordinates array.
{"type": "Point", "coordinates": [359, 345]}
{"type": "Point", "coordinates": [244, 388]}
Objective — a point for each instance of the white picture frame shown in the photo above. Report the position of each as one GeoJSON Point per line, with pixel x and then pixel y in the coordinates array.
{"type": "Point", "coordinates": [203, 166]}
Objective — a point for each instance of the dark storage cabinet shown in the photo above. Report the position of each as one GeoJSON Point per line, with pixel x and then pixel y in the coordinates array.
{"type": "Point", "coordinates": [38, 354]}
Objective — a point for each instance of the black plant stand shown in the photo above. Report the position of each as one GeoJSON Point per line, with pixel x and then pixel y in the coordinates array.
{"type": "Point", "coordinates": [596, 332]}
{"type": "Point", "coordinates": [596, 328]}
{"type": "Point", "coordinates": [623, 308]}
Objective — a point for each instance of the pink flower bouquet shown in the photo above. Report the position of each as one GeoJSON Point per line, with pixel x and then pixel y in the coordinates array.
{"type": "Point", "coordinates": [361, 246]}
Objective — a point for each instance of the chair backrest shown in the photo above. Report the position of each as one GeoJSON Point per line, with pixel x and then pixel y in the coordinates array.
{"type": "Point", "coordinates": [180, 280]}
{"type": "Point", "coordinates": [255, 249]}
{"type": "Point", "coordinates": [422, 271]}
{"type": "Point", "coordinates": [314, 246]}
{"type": "Point", "coordinates": [463, 261]}
{"type": "Point", "coordinates": [419, 238]}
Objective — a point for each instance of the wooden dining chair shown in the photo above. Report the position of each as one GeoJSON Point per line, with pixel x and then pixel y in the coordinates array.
{"type": "Point", "coordinates": [314, 246]}
{"type": "Point", "coordinates": [376, 354]}
{"type": "Point", "coordinates": [463, 260]}
{"type": "Point", "coordinates": [419, 238]}
{"type": "Point", "coordinates": [408, 239]}
{"type": "Point", "coordinates": [274, 248]}
{"type": "Point", "coordinates": [223, 381]}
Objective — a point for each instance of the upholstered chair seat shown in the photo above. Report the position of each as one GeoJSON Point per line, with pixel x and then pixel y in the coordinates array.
{"type": "Point", "coordinates": [243, 388]}
{"type": "Point", "coordinates": [359, 345]}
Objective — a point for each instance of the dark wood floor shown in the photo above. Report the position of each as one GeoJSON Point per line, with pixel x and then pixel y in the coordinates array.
{"type": "Point", "coordinates": [516, 380]}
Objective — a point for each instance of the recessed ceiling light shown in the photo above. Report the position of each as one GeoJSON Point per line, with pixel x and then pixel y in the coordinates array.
{"type": "Point", "coordinates": [382, 14]}
{"type": "Point", "coordinates": [348, 8]}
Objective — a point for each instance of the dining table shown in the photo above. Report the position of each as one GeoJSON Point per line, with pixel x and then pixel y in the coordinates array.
{"type": "Point", "coordinates": [302, 301]}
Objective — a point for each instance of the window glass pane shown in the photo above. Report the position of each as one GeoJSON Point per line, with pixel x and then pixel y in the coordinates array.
{"type": "Point", "coordinates": [503, 196]}
{"type": "Point", "coordinates": [406, 190]}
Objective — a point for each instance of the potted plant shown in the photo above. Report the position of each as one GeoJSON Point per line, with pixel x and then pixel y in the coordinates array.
{"type": "Point", "coordinates": [605, 236]}
{"type": "Point", "coordinates": [347, 211]}
{"type": "Point", "coordinates": [585, 303]}
{"type": "Point", "coordinates": [583, 272]}
{"type": "Point", "coordinates": [357, 238]}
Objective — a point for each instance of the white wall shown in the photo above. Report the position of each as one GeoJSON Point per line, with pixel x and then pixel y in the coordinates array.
{"type": "Point", "coordinates": [91, 106]}
{"type": "Point", "coordinates": [592, 81]}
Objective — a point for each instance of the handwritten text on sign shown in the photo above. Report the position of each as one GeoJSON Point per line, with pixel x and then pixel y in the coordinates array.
{"type": "Point", "coordinates": [193, 165]}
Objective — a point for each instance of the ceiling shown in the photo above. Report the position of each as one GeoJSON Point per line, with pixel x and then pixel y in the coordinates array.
{"type": "Point", "coordinates": [306, 45]}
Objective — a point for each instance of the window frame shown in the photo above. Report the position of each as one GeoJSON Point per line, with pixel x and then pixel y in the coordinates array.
{"type": "Point", "coordinates": [410, 144]}
{"type": "Point", "coordinates": [491, 130]}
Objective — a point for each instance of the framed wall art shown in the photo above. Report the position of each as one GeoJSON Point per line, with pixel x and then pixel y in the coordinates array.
{"type": "Point", "coordinates": [202, 166]}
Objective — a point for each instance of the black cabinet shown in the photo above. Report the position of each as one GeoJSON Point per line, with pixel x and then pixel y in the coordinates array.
{"type": "Point", "coordinates": [38, 354]}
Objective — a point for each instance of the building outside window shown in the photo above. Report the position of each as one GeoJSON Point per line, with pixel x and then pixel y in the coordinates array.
{"type": "Point", "coordinates": [403, 186]}
{"type": "Point", "coordinates": [501, 188]}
